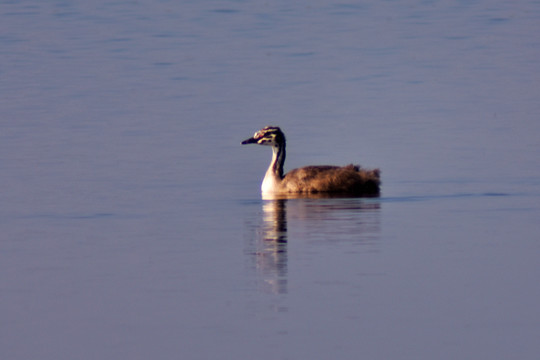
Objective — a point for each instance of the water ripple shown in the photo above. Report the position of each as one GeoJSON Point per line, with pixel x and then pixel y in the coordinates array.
{"type": "Point", "coordinates": [414, 198]}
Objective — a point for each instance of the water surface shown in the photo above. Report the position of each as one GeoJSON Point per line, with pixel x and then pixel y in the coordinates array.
{"type": "Point", "coordinates": [131, 220]}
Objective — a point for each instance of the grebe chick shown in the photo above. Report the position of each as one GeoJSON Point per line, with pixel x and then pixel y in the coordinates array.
{"type": "Point", "coordinates": [338, 180]}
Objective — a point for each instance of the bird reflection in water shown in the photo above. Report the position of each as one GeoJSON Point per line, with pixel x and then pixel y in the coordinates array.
{"type": "Point", "coordinates": [317, 219]}
{"type": "Point", "coordinates": [271, 252]}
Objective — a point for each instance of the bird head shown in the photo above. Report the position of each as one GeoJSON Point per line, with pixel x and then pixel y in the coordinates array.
{"type": "Point", "coordinates": [269, 135]}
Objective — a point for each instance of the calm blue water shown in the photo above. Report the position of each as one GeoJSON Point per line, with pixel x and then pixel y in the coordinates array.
{"type": "Point", "coordinates": [131, 220]}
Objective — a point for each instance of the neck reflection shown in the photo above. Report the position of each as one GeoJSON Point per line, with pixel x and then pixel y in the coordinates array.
{"type": "Point", "coordinates": [272, 246]}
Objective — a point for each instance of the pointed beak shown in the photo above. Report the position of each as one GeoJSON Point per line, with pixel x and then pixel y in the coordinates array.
{"type": "Point", "coordinates": [249, 141]}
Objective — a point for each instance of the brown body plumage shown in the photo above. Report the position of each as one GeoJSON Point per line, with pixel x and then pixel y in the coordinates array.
{"type": "Point", "coordinates": [338, 180]}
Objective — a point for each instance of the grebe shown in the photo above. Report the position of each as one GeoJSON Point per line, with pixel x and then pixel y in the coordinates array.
{"type": "Point", "coordinates": [331, 180]}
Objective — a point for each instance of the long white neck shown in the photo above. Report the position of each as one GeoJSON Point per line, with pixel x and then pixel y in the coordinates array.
{"type": "Point", "coordinates": [274, 174]}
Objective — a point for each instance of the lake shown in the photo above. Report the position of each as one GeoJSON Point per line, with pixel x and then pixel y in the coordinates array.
{"type": "Point", "coordinates": [132, 224]}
